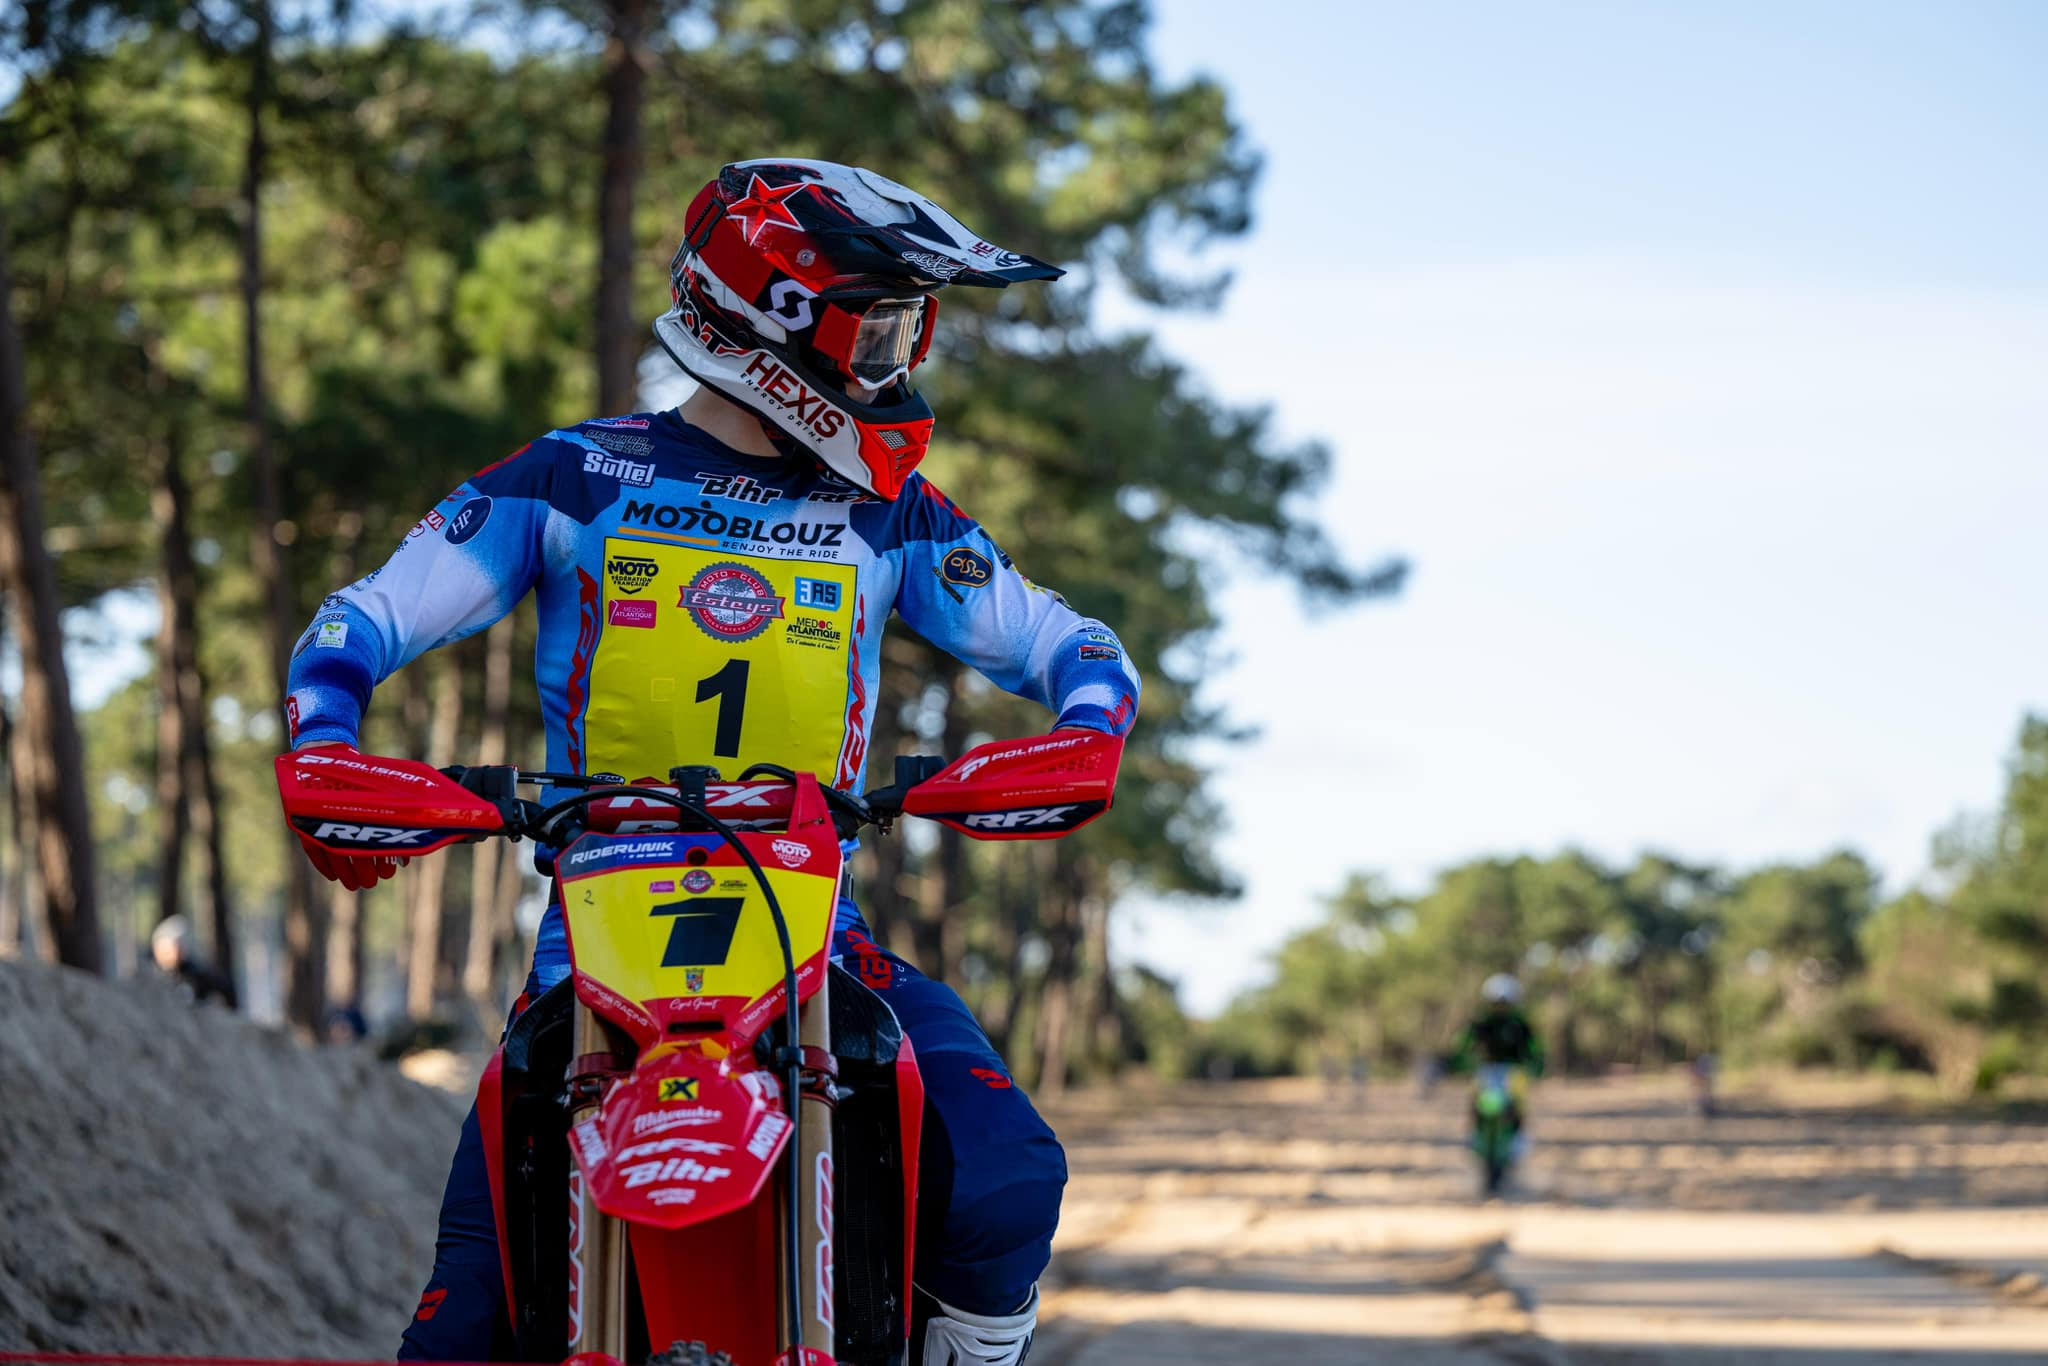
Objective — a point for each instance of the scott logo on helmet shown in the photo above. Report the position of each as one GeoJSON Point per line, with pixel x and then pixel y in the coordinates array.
{"type": "Point", "coordinates": [774, 381]}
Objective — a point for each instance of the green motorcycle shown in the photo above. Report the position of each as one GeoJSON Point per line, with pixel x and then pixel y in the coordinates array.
{"type": "Point", "coordinates": [1496, 1124]}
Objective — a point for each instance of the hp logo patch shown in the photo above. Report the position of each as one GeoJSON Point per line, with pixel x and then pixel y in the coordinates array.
{"type": "Point", "coordinates": [468, 522]}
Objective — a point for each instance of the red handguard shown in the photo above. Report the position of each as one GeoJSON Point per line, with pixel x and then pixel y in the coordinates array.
{"type": "Point", "coordinates": [360, 817]}
{"type": "Point", "coordinates": [1032, 789]}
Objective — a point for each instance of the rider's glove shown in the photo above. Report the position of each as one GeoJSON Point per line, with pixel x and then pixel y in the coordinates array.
{"type": "Point", "coordinates": [353, 871]}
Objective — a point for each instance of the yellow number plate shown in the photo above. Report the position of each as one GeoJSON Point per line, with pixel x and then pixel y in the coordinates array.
{"type": "Point", "coordinates": [666, 940]}
{"type": "Point", "coordinates": [707, 656]}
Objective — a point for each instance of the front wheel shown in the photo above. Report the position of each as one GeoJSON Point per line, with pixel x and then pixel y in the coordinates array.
{"type": "Point", "coordinates": [689, 1354]}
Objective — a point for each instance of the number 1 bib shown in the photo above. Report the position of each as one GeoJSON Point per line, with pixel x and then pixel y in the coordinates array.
{"type": "Point", "coordinates": [706, 656]}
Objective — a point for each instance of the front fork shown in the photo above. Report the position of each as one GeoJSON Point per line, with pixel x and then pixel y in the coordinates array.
{"type": "Point", "coordinates": [597, 1241]}
{"type": "Point", "coordinates": [814, 1193]}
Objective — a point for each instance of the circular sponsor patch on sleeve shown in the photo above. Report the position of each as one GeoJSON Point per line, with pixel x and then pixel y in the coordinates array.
{"type": "Point", "coordinates": [470, 520]}
{"type": "Point", "coordinates": [966, 568]}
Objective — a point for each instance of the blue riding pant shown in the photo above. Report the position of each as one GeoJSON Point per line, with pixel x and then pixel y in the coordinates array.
{"type": "Point", "coordinates": [989, 1179]}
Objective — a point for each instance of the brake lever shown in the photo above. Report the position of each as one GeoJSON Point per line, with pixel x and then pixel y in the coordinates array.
{"type": "Point", "coordinates": [497, 784]}
{"type": "Point", "coordinates": [886, 803]}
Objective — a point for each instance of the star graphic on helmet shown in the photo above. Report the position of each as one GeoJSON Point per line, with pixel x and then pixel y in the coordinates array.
{"type": "Point", "coordinates": [762, 206]}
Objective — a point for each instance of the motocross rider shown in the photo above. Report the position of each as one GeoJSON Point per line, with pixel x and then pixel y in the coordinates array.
{"type": "Point", "coordinates": [1500, 1035]}
{"type": "Point", "coordinates": [711, 583]}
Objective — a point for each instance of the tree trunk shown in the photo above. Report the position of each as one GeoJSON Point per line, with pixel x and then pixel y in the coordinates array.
{"type": "Point", "coordinates": [190, 756]}
{"type": "Point", "coordinates": [1056, 1001]}
{"type": "Point", "coordinates": [344, 946]}
{"type": "Point", "coordinates": [879, 892]}
{"type": "Point", "coordinates": [1103, 1030]}
{"type": "Point", "coordinates": [305, 936]}
{"type": "Point", "coordinates": [1020, 909]}
{"type": "Point", "coordinates": [423, 966]}
{"type": "Point", "coordinates": [171, 811]}
{"type": "Point", "coordinates": [34, 937]}
{"type": "Point", "coordinates": [1003, 1004]}
{"type": "Point", "coordinates": [936, 933]}
{"type": "Point", "coordinates": [203, 790]}
{"type": "Point", "coordinates": [12, 852]}
{"type": "Point", "coordinates": [488, 857]}
{"type": "Point", "coordinates": [47, 751]}
{"type": "Point", "coordinates": [620, 336]}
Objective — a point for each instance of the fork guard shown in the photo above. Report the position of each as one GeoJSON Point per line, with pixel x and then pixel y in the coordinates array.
{"type": "Point", "coordinates": [877, 1133]}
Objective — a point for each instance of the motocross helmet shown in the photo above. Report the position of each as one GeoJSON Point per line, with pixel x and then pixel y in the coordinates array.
{"type": "Point", "coordinates": [803, 291]}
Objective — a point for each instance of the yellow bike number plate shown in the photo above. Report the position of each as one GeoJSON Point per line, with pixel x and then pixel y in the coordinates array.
{"type": "Point", "coordinates": [636, 930]}
{"type": "Point", "coordinates": [707, 656]}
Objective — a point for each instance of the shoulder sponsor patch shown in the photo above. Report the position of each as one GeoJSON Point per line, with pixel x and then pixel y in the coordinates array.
{"type": "Point", "coordinates": [622, 443]}
{"type": "Point", "coordinates": [469, 520]}
{"type": "Point", "coordinates": [331, 635]}
{"type": "Point", "coordinates": [966, 568]}
{"type": "Point", "coordinates": [1109, 652]}
{"type": "Point", "coordinates": [638, 473]}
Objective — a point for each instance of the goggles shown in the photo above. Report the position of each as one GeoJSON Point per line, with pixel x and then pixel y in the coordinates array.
{"type": "Point", "coordinates": [887, 339]}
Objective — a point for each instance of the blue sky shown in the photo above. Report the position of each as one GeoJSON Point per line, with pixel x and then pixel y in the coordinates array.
{"type": "Point", "coordinates": [1699, 356]}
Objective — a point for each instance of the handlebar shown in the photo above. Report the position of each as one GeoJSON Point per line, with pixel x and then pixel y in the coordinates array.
{"type": "Point", "coordinates": [355, 804]}
{"type": "Point", "coordinates": [761, 795]}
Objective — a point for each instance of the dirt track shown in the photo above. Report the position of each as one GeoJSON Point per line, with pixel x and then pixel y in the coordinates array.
{"type": "Point", "coordinates": [175, 1179]}
{"type": "Point", "coordinates": [1269, 1222]}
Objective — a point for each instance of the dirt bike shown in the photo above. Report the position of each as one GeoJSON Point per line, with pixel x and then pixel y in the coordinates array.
{"type": "Point", "coordinates": [703, 1144]}
{"type": "Point", "coordinates": [1496, 1124]}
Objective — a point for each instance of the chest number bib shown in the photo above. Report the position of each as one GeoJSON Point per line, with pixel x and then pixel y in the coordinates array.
{"type": "Point", "coordinates": [709, 657]}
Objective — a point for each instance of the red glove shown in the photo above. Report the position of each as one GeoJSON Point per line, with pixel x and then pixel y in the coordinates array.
{"type": "Point", "coordinates": [353, 871]}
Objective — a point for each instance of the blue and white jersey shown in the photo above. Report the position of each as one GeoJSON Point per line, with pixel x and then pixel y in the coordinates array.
{"type": "Point", "coordinates": [699, 606]}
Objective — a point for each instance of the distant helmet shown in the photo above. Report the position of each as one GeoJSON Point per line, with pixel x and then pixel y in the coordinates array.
{"type": "Point", "coordinates": [803, 290]}
{"type": "Point", "coordinates": [1501, 989]}
{"type": "Point", "coordinates": [170, 943]}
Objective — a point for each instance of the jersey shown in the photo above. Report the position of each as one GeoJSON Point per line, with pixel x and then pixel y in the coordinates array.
{"type": "Point", "coordinates": [701, 606]}
{"type": "Point", "coordinates": [1502, 1037]}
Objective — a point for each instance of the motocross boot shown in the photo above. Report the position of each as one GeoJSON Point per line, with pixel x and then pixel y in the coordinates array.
{"type": "Point", "coordinates": [954, 1337]}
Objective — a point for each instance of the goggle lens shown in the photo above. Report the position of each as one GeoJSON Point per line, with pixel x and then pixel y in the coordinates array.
{"type": "Point", "coordinates": [886, 341]}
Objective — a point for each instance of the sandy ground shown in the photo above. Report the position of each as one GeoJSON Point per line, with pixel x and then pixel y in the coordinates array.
{"type": "Point", "coordinates": [177, 1179]}
{"type": "Point", "coordinates": [1275, 1222]}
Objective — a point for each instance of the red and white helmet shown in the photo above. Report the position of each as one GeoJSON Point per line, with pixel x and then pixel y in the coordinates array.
{"type": "Point", "coordinates": [803, 290]}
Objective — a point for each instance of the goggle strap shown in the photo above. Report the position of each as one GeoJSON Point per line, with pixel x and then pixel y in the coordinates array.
{"type": "Point", "coordinates": [927, 328]}
{"type": "Point", "coordinates": [834, 336]}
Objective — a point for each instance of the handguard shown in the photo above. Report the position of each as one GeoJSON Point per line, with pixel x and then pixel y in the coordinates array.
{"type": "Point", "coordinates": [1032, 789]}
{"type": "Point", "coordinates": [351, 803]}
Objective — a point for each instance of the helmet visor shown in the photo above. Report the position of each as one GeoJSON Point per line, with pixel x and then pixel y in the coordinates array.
{"type": "Point", "coordinates": [885, 343]}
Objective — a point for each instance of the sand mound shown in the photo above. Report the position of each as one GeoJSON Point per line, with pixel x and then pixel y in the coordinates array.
{"type": "Point", "coordinates": [177, 1179]}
